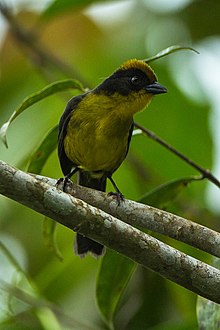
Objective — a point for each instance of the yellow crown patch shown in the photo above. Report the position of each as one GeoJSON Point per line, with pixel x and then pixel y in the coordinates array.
{"type": "Point", "coordinates": [141, 65]}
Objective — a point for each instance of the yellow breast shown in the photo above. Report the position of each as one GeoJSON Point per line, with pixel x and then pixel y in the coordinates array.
{"type": "Point", "coordinates": [98, 130]}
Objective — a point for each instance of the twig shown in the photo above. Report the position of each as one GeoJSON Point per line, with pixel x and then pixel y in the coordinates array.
{"type": "Point", "coordinates": [79, 216]}
{"type": "Point", "coordinates": [205, 173]}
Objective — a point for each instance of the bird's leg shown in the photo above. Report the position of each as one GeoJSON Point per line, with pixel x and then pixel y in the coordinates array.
{"type": "Point", "coordinates": [118, 195]}
{"type": "Point", "coordinates": [65, 180]}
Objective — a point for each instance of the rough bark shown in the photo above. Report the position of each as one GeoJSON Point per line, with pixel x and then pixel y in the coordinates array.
{"type": "Point", "coordinates": [36, 193]}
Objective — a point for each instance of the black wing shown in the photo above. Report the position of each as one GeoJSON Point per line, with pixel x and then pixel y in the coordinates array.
{"type": "Point", "coordinates": [129, 137]}
{"type": "Point", "coordinates": [65, 162]}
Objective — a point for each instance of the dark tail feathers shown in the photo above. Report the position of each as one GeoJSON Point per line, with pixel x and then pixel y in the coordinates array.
{"type": "Point", "coordinates": [84, 245]}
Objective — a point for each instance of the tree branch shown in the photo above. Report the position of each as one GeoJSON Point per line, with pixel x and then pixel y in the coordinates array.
{"type": "Point", "coordinates": [205, 173]}
{"type": "Point", "coordinates": [92, 222]}
{"type": "Point", "coordinates": [147, 217]}
{"type": "Point", "coordinates": [43, 59]}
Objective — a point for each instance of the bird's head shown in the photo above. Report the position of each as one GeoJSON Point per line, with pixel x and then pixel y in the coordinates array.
{"type": "Point", "coordinates": [134, 83]}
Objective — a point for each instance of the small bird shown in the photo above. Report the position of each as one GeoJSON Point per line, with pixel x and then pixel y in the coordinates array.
{"type": "Point", "coordinates": [96, 128]}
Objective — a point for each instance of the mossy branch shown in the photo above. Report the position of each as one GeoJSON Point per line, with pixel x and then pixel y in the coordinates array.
{"type": "Point", "coordinates": [37, 194]}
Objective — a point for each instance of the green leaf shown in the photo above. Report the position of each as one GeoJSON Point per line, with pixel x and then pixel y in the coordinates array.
{"type": "Point", "coordinates": [51, 89]}
{"type": "Point", "coordinates": [36, 164]}
{"type": "Point", "coordinates": [168, 51]}
{"type": "Point", "coordinates": [49, 231]}
{"type": "Point", "coordinates": [47, 319]}
{"type": "Point", "coordinates": [114, 275]}
{"type": "Point", "coordinates": [40, 156]}
{"type": "Point", "coordinates": [37, 161]}
{"type": "Point", "coordinates": [165, 193]}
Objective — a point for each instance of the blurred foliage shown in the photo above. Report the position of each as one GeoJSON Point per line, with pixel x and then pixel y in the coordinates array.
{"type": "Point", "coordinates": [111, 284]}
{"type": "Point", "coordinates": [207, 311]}
{"type": "Point", "coordinates": [92, 49]}
{"type": "Point", "coordinates": [162, 195]}
{"type": "Point", "coordinates": [36, 97]}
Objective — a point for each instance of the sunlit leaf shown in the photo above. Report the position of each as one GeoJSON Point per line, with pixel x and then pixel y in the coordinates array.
{"type": "Point", "coordinates": [114, 275]}
{"type": "Point", "coordinates": [168, 51]}
{"type": "Point", "coordinates": [47, 319]}
{"type": "Point", "coordinates": [51, 89]}
{"type": "Point", "coordinates": [40, 156]}
{"type": "Point", "coordinates": [49, 234]}
{"type": "Point", "coordinates": [165, 193]}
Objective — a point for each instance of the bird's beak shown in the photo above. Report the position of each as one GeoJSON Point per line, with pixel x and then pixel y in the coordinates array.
{"type": "Point", "coordinates": [155, 88]}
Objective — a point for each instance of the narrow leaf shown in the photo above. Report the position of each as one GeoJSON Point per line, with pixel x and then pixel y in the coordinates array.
{"type": "Point", "coordinates": [51, 89]}
{"type": "Point", "coordinates": [47, 319]}
{"type": "Point", "coordinates": [40, 156]}
{"type": "Point", "coordinates": [165, 193]}
{"type": "Point", "coordinates": [114, 275]}
{"type": "Point", "coordinates": [49, 231]}
{"type": "Point", "coordinates": [168, 51]}
{"type": "Point", "coordinates": [37, 161]}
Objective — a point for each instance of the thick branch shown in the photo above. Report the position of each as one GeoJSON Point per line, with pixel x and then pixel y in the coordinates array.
{"type": "Point", "coordinates": [108, 230]}
{"type": "Point", "coordinates": [148, 217]}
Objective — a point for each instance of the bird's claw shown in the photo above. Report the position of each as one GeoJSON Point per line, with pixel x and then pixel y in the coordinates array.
{"type": "Point", "coordinates": [62, 183]}
{"type": "Point", "coordinates": [117, 196]}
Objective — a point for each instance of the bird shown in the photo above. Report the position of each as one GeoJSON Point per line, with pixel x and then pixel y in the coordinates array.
{"type": "Point", "coordinates": [95, 130]}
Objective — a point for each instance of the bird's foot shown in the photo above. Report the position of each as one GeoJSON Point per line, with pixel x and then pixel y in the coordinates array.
{"type": "Point", "coordinates": [117, 195]}
{"type": "Point", "coordinates": [62, 183]}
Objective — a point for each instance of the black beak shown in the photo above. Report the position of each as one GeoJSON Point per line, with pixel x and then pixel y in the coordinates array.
{"type": "Point", "coordinates": [155, 88]}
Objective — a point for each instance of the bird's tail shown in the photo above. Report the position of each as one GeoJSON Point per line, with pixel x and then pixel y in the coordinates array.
{"type": "Point", "coordinates": [84, 245]}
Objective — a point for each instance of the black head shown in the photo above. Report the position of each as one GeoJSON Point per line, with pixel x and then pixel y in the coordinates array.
{"type": "Point", "coordinates": [133, 76]}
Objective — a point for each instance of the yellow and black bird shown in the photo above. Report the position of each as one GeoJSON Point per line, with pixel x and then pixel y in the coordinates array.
{"type": "Point", "coordinates": [96, 127]}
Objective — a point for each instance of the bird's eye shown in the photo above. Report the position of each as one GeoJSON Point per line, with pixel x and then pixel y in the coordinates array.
{"type": "Point", "coordinates": [135, 80]}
